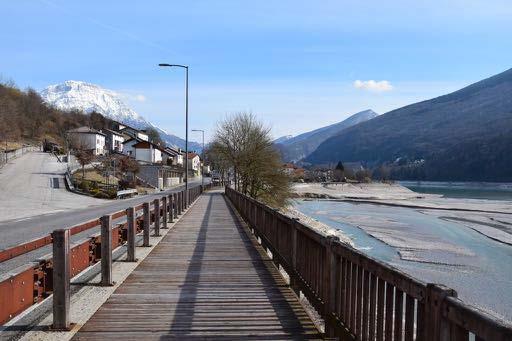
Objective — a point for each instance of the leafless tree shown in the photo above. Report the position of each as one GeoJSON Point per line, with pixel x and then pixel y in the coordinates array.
{"type": "Point", "coordinates": [81, 150]}
{"type": "Point", "coordinates": [128, 165]}
{"type": "Point", "coordinates": [245, 145]}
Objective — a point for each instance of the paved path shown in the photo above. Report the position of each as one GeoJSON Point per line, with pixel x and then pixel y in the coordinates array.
{"type": "Point", "coordinates": [33, 184]}
{"type": "Point", "coordinates": [206, 279]}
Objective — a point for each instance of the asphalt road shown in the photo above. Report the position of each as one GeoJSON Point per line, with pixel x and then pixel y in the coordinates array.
{"type": "Point", "coordinates": [33, 223]}
{"type": "Point", "coordinates": [16, 231]}
{"type": "Point", "coordinates": [33, 184]}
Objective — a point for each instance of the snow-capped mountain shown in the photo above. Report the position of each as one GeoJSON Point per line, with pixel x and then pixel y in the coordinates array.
{"type": "Point", "coordinates": [282, 139]}
{"type": "Point", "coordinates": [77, 95]}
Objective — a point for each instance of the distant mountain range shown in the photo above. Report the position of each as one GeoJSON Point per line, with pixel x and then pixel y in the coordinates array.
{"type": "Point", "coordinates": [465, 135]}
{"type": "Point", "coordinates": [296, 148]}
{"type": "Point", "coordinates": [77, 95]}
{"type": "Point", "coordinates": [282, 139]}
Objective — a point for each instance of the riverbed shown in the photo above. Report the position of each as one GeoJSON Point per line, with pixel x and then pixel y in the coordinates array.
{"type": "Point", "coordinates": [463, 250]}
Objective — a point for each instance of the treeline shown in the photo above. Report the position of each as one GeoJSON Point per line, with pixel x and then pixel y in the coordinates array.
{"type": "Point", "coordinates": [24, 116]}
{"type": "Point", "coordinates": [480, 159]}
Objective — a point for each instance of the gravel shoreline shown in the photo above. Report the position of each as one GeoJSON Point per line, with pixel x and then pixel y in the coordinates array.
{"type": "Point", "coordinates": [318, 226]}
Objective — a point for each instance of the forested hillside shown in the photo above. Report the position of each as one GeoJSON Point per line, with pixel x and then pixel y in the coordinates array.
{"type": "Point", "coordinates": [25, 117]}
{"type": "Point", "coordinates": [465, 135]}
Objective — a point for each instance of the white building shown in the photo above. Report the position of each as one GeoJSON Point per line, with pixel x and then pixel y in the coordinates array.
{"type": "Point", "coordinates": [128, 146]}
{"type": "Point", "coordinates": [207, 169]}
{"type": "Point", "coordinates": [113, 140]}
{"type": "Point", "coordinates": [143, 151]}
{"type": "Point", "coordinates": [194, 163]}
{"type": "Point", "coordinates": [176, 155]}
{"type": "Point", "coordinates": [87, 138]}
{"type": "Point", "coordinates": [134, 133]}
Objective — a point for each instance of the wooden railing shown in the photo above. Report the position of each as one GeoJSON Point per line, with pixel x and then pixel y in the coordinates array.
{"type": "Point", "coordinates": [360, 297]}
{"type": "Point", "coordinates": [32, 283]}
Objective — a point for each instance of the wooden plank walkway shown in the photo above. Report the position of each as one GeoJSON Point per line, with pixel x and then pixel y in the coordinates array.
{"type": "Point", "coordinates": [207, 279]}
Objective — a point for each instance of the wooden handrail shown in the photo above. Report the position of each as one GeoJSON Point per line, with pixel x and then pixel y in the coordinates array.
{"type": "Point", "coordinates": [360, 297]}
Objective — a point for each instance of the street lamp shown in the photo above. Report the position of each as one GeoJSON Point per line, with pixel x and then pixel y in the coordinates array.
{"type": "Point", "coordinates": [202, 157]}
{"type": "Point", "coordinates": [186, 122]}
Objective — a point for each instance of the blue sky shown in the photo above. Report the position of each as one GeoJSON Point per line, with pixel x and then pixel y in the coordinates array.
{"type": "Point", "coordinates": [294, 64]}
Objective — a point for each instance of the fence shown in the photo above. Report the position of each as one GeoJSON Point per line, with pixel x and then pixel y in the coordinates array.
{"type": "Point", "coordinates": [32, 283]}
{"type": "Point", "coordinates": [360, 297]}
{"type": "Point", "coordinates": [6, 156]}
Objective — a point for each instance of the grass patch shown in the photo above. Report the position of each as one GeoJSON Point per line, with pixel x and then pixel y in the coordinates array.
{"type": "Point", "coordinates": [93, 175]}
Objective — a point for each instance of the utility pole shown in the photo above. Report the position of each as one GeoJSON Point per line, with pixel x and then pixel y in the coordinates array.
{"type": "Point", "coordinates": [186, 122]}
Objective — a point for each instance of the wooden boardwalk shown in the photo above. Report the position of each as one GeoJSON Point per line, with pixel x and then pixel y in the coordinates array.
{"type": "Point", "coordinates": [207, 279]}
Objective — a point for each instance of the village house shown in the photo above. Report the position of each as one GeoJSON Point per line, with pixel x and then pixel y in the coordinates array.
{"type": "Point", "coordinates": [194, 163]}
{"type": "Point", "coordinates": [206, 169]}
{"type": "Point", "coordinates": [131, 132]}
{"type": "Point", "coordinates": [89, 139]}
{"type": "Point", "coordinates": [128, 146]}
{"type": "Point", "coordinates": [176, 157]}
{"type": "Point", "coordinates": [113, 140]}
{"type": "Point", "coordinates": [297, 173]}
{"type": "Point", "coordinates": [143, 151]}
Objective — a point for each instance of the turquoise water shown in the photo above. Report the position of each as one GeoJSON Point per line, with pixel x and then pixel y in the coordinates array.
{"type": "Point", "coordinates": [469, 190]}
{"type": "Point", "coordinates": [488, 265]}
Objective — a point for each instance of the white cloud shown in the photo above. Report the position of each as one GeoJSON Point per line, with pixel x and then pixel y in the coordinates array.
{"type": "Point", "coordinates": [371, 85]}
{"type": "Point", "coordinates": [139, 98]}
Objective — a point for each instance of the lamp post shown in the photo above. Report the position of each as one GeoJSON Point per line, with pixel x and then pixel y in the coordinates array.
{"type": "Point", "coordinates": [202, 157]}
{"type": "Point", "coordinates": [186, 122]}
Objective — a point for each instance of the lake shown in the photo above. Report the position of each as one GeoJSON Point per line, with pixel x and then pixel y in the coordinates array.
{"type": "Point", "coordinates": [469, 190]}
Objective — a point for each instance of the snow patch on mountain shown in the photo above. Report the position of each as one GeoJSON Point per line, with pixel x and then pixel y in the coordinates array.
{"type": "Point", "coordinates": [282, 139]}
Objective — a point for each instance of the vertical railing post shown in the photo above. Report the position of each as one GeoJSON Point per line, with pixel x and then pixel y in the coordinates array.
{"type": "Point", "coordinates": [293, 276]}
{"type": "Point", "coordinates": [61, 277]}
{"type": "Point", "coordinates": [175, 200]}
{"type": "Point", "coordinates": [164, 212]}
{"type": "Point", "coordinates": [130, 217]}
{"type": "Point", "coordinates": [178, 203]}
{"type": "Point", "coordinates": [171, 208]}
{"type": "Point", "coordinates": [185, 198]}
{"type": "Point", "coordinates": [436, 328]}
{"type": "Point", "coordinates": [146, 214]}
{"type": "Point", "coordinates": [330, 286]}
{"type": "Point", "coordinates": [106, 250]}
{"type": "Point", "coordinates": [156, 208]}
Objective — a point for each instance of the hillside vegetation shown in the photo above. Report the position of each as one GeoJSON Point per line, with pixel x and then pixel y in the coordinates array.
{"type": "Point", "coordinates": [465, 135]}
{"type": "Point", "coordinates": [25, 117]}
